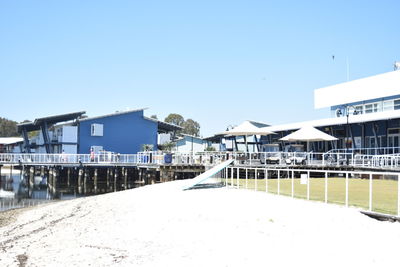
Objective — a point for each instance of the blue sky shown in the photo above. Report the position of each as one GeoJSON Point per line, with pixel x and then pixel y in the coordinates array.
{"type": "Point", "coordinates": [217, 62]}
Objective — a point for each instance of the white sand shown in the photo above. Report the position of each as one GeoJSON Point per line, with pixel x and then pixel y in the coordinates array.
{"type": "Point", "coordinates": [161, 225]}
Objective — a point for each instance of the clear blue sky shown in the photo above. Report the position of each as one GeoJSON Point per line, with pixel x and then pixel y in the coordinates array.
{"type": "Point", "coordinates": [217, 62]}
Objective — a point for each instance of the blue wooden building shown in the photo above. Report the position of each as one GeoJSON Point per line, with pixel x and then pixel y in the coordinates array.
{"type": "Point", "coordinates": [120, 132]}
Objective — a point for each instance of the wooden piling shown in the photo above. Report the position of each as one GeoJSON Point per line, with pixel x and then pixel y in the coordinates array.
{"type": "Point", "coordinates": [108, 180]}
{"type": "Point", "coordinates": [115, 179]}
{"type": "Point", "coordinates": [95, 180]}
{"type": "Point", "coordinates": [125, 173]}
{"type": "Point", "coordinates": [85, 181]}
{"type": "Point", "coordinates": [55, 179]}
{"type": "Point", "coordinates": [31, 180]}
{"type": "Point", "coordinates": [69, 178]}
{"type": "Point", "coordinates": [80, 174]}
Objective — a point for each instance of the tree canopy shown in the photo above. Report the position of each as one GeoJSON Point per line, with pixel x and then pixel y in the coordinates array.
{"type": "Point", "coordinates": [8, 128]}
{"type": "Point", "coordinates": [174, 118]}
{"type": "Point", "coordinates": [191, 127]}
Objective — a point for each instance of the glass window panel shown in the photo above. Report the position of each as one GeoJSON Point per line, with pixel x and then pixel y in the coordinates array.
{"type": "Point", "coordinates": [388, 105]}
{"type": "Point", "coordinates": [397, 104]}
{"type": "Point", "coordinates": [368, 108]}
{"type": "Point", "coordinates": [359, 109]}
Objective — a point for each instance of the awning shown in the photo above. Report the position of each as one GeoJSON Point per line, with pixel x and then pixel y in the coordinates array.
{"type": "Point", "coordinates": [309, 134]}
{"type": "Point", "coordinates": [247, 128]}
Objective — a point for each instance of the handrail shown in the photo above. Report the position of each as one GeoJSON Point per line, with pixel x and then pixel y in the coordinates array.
{"type": "Point", "coordinates": [211, 158]}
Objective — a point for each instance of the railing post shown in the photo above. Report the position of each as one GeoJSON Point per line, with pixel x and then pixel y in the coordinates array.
{"type": "Point", "coordinates": [226, 177]}
{"type": "Point", "coordinates": [246, 177]}
{"type": "Point", "coordinates": [370, 192]}
{"type": "Point", "coordinates": [292, 183]}
{"type": "Point", "coordinates": [237, 178]}
{"type": "Point", "coordinates": [398, 195]}
{"type": "Point", "coordinates": [326, 187]}
{"type": "Point", "coordinates": [232, 176]}
{"type": "Point", "coordinates": [308, 185]}
{"type": "Point", "coordinates": [279, 182]}
{"type": "Point", "coordinates": [255, 182]}
{"type": "Point", "coordinates": [347, 190]}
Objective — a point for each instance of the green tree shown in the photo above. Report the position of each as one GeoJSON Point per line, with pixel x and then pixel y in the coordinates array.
{"type": "Point", "coordinates": [174, 118]}
{"type": "Point", "coordinates": [154, 117]}
{"type": "Point", "coordinates": [8, 128]}
{"type": "Point", "coordinates": [210, 148]}
{"type": "Point", "coordinates": [191, 127]}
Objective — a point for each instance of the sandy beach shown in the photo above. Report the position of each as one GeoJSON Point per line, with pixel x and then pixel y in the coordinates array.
{"type": "Point", "coordinates": [161, 225]}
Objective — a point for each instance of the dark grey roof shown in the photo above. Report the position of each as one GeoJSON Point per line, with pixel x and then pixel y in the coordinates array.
{"type": "Point", "coordinates": [165, 127]}
{"type": "Point", "coordinates": [59, 118]}
{"type": "Point", "coordinates": [29, 126]}
{"type": "Point", "coordinates": [117, 113]}
{"type": "Point", "coordinates": [50, 120]}
{"type": "Point", "coordinates": [259, 124]}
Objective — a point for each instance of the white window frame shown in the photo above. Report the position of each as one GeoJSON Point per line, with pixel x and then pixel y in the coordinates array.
{"type": "Point", "coordinates": [96, 129]}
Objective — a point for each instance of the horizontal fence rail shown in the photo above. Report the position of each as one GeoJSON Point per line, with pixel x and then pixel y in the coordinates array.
{"type": "Point", "coordinates": [331, 158]}
{"type": "Point", "coordinates": [369, 191]}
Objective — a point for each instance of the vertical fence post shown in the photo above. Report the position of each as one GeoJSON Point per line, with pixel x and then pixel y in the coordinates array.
{"type": "Point", "coordinates": [266, 180]}
{"type": "Point", "coordinates": [226, 177]}
{"type": "Point", "coordinates": [326, 187]}
{"type": "Point", "coordinates": [279, 182]}
{"type": "Point", "coordinates": [347, 190]}
{"type": "Point", "coordinates": [246, 177]}
{"type": "Point", "coordinates": [292, 183]}
{"type": "Point", "coordinates": [255, 176]}
{"type": "Point", "coordinates": [237, 178]}
{"type": "Point", "coordinates": [308, 185]}
{"type": "Point", "coordinates": [398, 195]}
{"type": "Point", "coordinates": [370, 192]}
{"type": "Point", "coordinates": [232, 169]}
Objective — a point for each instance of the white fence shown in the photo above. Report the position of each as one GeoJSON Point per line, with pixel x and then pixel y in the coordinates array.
{"type": "Point", "coordinates": [372, 191]}
{"type": "Point", "coordinates": [279, 159]}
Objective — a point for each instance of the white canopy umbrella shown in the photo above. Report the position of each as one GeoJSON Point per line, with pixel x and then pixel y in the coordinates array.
{"type": "Point", "coordinates": [245, 129]}
{"type": "Point", "coordinates": [308, 134]}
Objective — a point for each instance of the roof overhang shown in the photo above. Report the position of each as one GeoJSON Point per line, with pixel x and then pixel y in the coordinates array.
{"type": "Point", "coordinates": [385, 115]}
{"type": "Point", "coordinates": [50, 120]}
{"type": "Point", "coordinates": [378, 86]}
{"type": "Point", "coordinates": [10, 140]}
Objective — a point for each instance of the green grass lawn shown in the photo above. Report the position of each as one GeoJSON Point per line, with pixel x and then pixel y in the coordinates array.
{"type": "Point", "coordinates": [384, 197]}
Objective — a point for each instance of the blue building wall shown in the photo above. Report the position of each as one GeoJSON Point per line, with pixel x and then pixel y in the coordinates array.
{"type": "Point", "coordinates": [123, 133]}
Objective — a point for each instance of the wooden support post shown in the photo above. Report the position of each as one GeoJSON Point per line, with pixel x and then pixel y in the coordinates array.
{"type": "Point", "coordinates": [115, 179]}
{"type": "Point", "coordinates": [80, 174]}
{"type": "Point", "coordinates": [31, 180]}
{"type": "Point", "coordinates": [11, 171]}
{"type": "Point", "coordinates": [95, 180]}
{"type": "Point", "coordinates": [55, 180]}
{"type": "Point", "coordinates": [85, 180]}
{"type": "Point", "coordinates": [108, 180]}
{"type": "Point", "coordinates": [125, 172]}
{"type": "Point", "coordinates": [69, 178]}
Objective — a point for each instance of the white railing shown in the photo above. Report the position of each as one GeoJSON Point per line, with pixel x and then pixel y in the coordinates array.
{"type": "Point", "coordinates": [368, 150]}
{"type": "Point", "coordinates": [331, 158]}
{"type": "Point", "coordinates": [341, 187]}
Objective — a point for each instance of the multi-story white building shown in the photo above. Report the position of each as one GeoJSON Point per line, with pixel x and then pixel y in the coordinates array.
{"type": "Point", "coordinates": [365, 113]}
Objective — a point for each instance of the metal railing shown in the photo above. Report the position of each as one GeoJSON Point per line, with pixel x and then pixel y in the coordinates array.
{"type": "Point", "coordinates": [368, 150]}
{"type": "Point", "coordinates": [331, 158]}
{"type": "Point", "coordinates": [368, 190]}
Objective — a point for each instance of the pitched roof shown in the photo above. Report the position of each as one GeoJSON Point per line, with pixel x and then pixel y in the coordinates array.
{"type": "Point", "coordinates": [117, 113]}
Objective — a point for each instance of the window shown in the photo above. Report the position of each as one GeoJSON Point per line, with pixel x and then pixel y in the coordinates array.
{"type": "Point", "coordinates": [359, 109]}
{"type": "Point", "coordinates": [396, 104]}
{"type": "Point", "coordinates": [371, 108]}
{"type": "Point", "coordinates": [388, 105]}
{"type": "Point", "coordinates": [96, 129]}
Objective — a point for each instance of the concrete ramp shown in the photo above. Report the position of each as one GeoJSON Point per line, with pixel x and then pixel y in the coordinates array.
{"type": "Point", "coordinates": [207, 175]}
